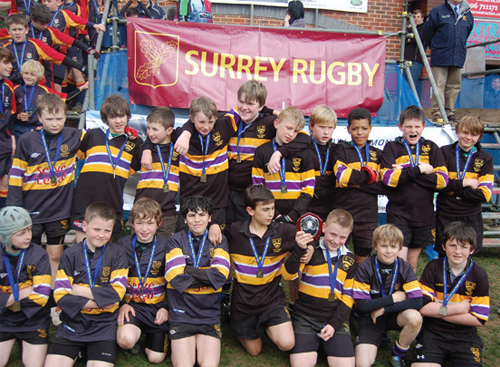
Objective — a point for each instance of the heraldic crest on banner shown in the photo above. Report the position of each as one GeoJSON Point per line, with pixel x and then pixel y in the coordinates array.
{"type": "Point", "coordinates": [152, 54]}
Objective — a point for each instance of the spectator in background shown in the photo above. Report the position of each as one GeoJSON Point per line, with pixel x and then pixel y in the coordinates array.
{"type": "Point", "coordinates": [147, 9]}
{"type": "Point", "coordinates": [411, 50]}
{"type": "Point", "coordinates": [492, 93]}
{"type": "Point", "coordinates": [295, 15]}
{"type": "Point", "coordinates": [446, 31]}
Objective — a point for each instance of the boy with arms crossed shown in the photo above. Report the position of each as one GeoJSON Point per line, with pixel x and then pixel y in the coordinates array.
{"type": "Point", "coordinates": [91, 282]}
{"type": "Point", "coordinates": [388, 297]}
{"type": "Point", "coordinates": [145, 309]}
{"type": "Point", "coordinates": [457, 302]}
{"type": "Point", "coordinates": [357, 166]}
{"type": "Point", "coordinates": [414, 167]}
{"type": "Point", "coordinates": [24, 290]}
{"type": "Point", "coordinates": [325, 297]}
{"type": "Point", "coordinates": [196, 270]}
{"type": "Point", "coordinates": [258, 247]}
{"type": "Point", "coordinates": [470, 169]}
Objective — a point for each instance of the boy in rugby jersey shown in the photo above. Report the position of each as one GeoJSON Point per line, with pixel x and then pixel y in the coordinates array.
{"type": "Point", "coordinates": [110, 158]}
{"type": "Point", "coordinates": [325, 297]}
{"type": "Point", "coordinates": [293, 185]}
{"type": "Point", "coordinates": [24, 289]}
{"type": "Point", "coordinates": [414, 168]}
{"type": "Point", "coordinates": [145, 309]}
{"type": "Point", "coordinates": [91, 282]}
{"type": "Point", "coordinates": [470, 182]}
{"type": "Point", "coordinates": [456, 303]}
{"type": "Point", "coordinates": [43, 173]}
{"type": "Point", "coordinates": [196, 270]}
{"type": "Point", "coordinates": [258, 247]}
{"type": "Point", "coordinates": [161, 182]}
{"type": "Point", "coordinates": [357, 166]}
{"type": "Point", "coordinates": [388, 297]}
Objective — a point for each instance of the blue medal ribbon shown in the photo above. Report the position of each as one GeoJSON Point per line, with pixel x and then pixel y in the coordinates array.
{"type": "Point", "coordinates": [20, 61]}
{"type": "Point", "coordinates": [162, 163]}
{"type": "Point", "coordinates": [27, 7]}
{"type": "Point", "coordinates": [415, 162]}
{"type": "Point", "coordinates": [461, 174]}
{"type": "Point", "coordinates": [14, 283]}
{"type": "Point", "coordinates": [367, 151]}
{"type": "Point", "coordinates": [282, 167]}
{"type": "Point", "coordinates": [87, 264]}
{"type": "Point", "coordinates": [204, 149]}
{"type": "Point", "coordinates": [110, 156]}
{"type": "Point", "coordinates": [54, 17]}
{"type": "Point", "coordinates": [40, 35]}
{"type": "Point", "coordinates": [260, 260]}
{"type": "Point", "coordinates": [197, 259]}
{"type": "Point", "coordinates": [393, 280]}
{"type": "Point", "coordinates": [138, 264]}
{"type": "Point", "coordinates": [3, 101]}
{"type": "Point", "coordinates": [47, 154]}
{"type": "Point", "coordinates": [241, 131]}
{"type": "Point", "coordinates": [27, 102]}
{"type": "Point", "coordinates": [332, 276]}
{"type": "Point", "coordinates": [322, 167]}
{"type": "Point", "coordinates": [446, 298]}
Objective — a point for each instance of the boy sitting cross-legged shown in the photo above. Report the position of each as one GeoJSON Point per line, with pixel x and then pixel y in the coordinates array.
{"type": "Point", "coordinates": [457, 302]}
{"type": "Point", "coordinates": [145, 309]}
{"type": "Point", "coordinates": [388, 297]}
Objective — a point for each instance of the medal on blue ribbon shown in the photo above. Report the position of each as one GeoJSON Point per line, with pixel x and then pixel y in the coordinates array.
{"type": "Point", "coordinates": [260, 259]}
{"type": "Point", "coordinates": [87, 264]}
{"type": "Point", "coordinates": [2, 109]}
{"type": "Point", "coordinates": [204, 152]}
{"type": "Point", "coordinates": [110, 156]}
{"type": "Point", "coordinates": [28, 101]}
{"type": "Point", "coordinates": [322, 167]}
{"type": "Point", "coordinates": [164, 171]}
{"type": "Point", "coordinates": [138, 264]}
{"type": "Point", "coordinates": [20, 61]}
{"type": "Point", "coordinates": [461, 174]}
{"type": "Point", "coordinates": [14, 283]}
{"type": "Point", "coordinates": [332, 275]}
{"type": "Point", "coordinates": [241, 131]}
{"type": "Point", "coordinates": [367, 151]}
{"type": "Point", "coordinates": [53, 178]}
{"type": "Point", "coordinates": [443, 310]}
{"type": "Point", "coordinates": [415, 162]}
{"type": "Point", "coordinates": [284, 189]}
{"type": "Point", "coordinates": [197, 259]}
{"type": "Point", "coordinates": [395, 271]}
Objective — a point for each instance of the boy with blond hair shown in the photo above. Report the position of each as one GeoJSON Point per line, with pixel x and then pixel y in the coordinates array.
{"type": "Point", "coordinates": [161, 182]}
{"type": "Point", "coordinates": [145, 310]}
{"type": "Point", "coordinates": [470, 169]}
{"type": "Point", "coordinates": [325, 297]}
{"type": "Point", "coordinates": [322, 123]}
{"type": "Point", "coordinates": [91, 282]}
{"type": "Point", "coordinates": [414, 168]}
{"type": "Point", "coordinates": [388, 297]}
{"type": "Point", "coordinates": [293, 185]}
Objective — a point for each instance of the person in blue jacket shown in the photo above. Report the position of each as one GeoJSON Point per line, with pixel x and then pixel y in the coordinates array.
{"type": "Point", "coordinates": [446, 31]}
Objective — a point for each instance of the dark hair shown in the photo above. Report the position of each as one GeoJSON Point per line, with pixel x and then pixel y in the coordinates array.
{"type": "Point", "coordinates": [113, 106]}
{"type": "Point", "coordinates": [295, 10]}
{"type": "Point", "coordinates": [146, 208]}
{"type": "Point", "coordinates": [7, 55]}
{"type": "Point", "coordinates": [101, 210]}
{"type": "Point", "coordinates": [195, 203]}
{"type": "Point", "coordinates": [52, 103]}
{"type": "Point", "coordinates": [464, 233]}
{"type": "Point", "coordinates": [41, 13]}
{"type": "Point", "coordinates": [410, 113]}
{"type": "Point", "coordinates": [162, 115]}
{"type": "Point", "coordinates": [418, 11]}
{"type": "Point", "coordinates": [359, 114]}
{"type": "Point", "coordinates": [16, 19]}
{"type": "Point", "coordinates": [258, 194]}
{"type": "Point", "coordinates": [132, 12]}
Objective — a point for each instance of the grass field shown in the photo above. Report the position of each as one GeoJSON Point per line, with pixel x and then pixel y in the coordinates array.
{"type": "Point", "coordinates": [233, 354]}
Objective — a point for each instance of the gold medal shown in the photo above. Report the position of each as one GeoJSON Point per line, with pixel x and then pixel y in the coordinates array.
{"type": "Point", "coordinates": [16, 307]}
{"type": "Point", "coordinates": [443, 310]}
{"type": "Point", "coordinates": [284, 189]}
{"type": "Point", "coordinates": [260, 273]}
{"type": "Point", "coordinates": [203, 177]}
{"type": "Point", "coordinates": [165, 188]}
{"type": "Point", "coordinates": [331, 297]}
{"type": "Point", "coordinates": [53, 180]}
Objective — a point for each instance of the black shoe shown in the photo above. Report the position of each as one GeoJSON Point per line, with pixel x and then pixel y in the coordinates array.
{"type": "Point", "coordinates": [136, 349]}
{"type": "Point", "coordinates": [397, 361]}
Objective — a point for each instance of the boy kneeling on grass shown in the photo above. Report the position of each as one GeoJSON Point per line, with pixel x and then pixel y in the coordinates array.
{"type": "Point", "coordinates": [388, 297]}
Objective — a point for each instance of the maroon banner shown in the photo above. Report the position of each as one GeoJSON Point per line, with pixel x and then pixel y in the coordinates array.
{"type": "Point", "coordinates": [171, 63]}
